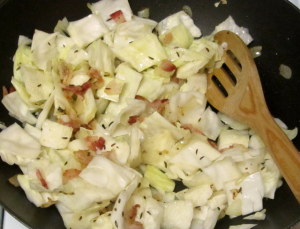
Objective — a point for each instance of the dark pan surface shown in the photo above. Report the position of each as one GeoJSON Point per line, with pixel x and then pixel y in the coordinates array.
{"type": "Point", "coordinates": [274, 24]}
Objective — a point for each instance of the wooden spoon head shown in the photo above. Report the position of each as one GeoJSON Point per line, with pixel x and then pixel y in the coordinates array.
{"type": "Point", "coordinates": [227, 85]}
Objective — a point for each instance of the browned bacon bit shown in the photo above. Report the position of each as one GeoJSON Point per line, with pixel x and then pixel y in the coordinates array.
{"type": "Point", "coordinates": [191, 128]}
{"type": "Point", "coordinates": [69, 174]}
{"type": "Point", "coordinates": [133, 119]}
{"type": "Point", "coordinates": [167, 66]}
{"type": "Point", "coordinates": [213, 144]}
{"type": "Point", "coordinates": [41, 178]}
{"type": "Point", "coordinates": [118, 17]}
{"type": "Point", "coordinates": [130, 222]}
{"type": "Point", "coordinates": [65, 72]}
{"type": "Point", "coordinates": [167, 38]}
{"type": "Point", "coordinates": [84, 157]}
{"type": "Point", "coordinates": [74, 123]}
{"type": "Point", "coordinates": [176, 80]}
{"type": "Point", "coordinates": [11, 89]}
{"type": "Point", "coordinates": [96, 78]}
{"type": "Point", "coordinates": [133, 211]}
{"type": "Point", "coordinates": [159, 104]}
{"type": "Point", "coordinates": [78, 90]}
{"type": "Point", "coordinates": [4, 91]}
{"type": "Point", "coordinates": [95, 143]}
{"type": "Point", "coordinates": [139, 97]}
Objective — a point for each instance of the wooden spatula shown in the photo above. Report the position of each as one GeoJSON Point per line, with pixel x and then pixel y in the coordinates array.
{"type": "Point", "coordinates": [235, 90]}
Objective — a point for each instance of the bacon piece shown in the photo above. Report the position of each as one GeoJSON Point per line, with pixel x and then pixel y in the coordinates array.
{"type": "Point", "coordinates": [78, 90]}
{"type": "Point", "coordinates": [213, 144]}
{"type": "Point", "coordinates": [167, 66]}
{"type": "Point", "coordinates": [69, 174]}
{"type": "Point", "coordinates": [95, 143]}
{"type": "Point", "coordinates": [191, 128]}
{"type": "Point", "coordinates": [41, 178]}
{"type": "Point", "coordinates": [97, 80]}
{"type": "Point", "coordinates": [133, 119]}
{"type": "Point", "coordinates": [4, 91]}
{"type": "Point", "coordinates": [167, 38]}
{"type": "Point", "coordinates": [118, 17]}
{"type": "Point", "coordinates": [84, 157]}
{"type": "Point", "coordinates": [130, 222]}
{"type": "Point", "coordinates": [159, 104]}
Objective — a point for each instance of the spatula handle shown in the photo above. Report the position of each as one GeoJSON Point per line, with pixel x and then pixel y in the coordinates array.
{"type": "Point", "coordinates": [282, 150]}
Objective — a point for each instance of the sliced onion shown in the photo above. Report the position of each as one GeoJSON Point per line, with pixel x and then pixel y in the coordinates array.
{"type": "Point", "coordinates": [285, 71]}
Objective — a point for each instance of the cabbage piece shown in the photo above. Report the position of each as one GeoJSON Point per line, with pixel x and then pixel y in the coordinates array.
{"type": "Point", "coordinates": [177, 36]}
{"type": "Point", "coordinates": [71, 196]}
{"type": "Point", "coordinates": [290, 133]}
{"type": "Point", "coordinates": [158, 179]}
{"type": "Point", "coordinates": [271, 177]}
{"type": "Point", "coordinates": [228, 138]}
{"type": "Point", "coordinates": [17, 145]}
{"type": "Point", "coordinates": [196, 83]}
{"type": "Point", "coordinates": [45, 112]}
{"type": "Point", "coordinates": [248, 192]}
{"type": "Point", "coordinates": [114, 178]}
{"type": "Point", "coordinates": [44, 175]}
{"type": "Point", "coordinates": [111, 90]}
{"type": "Point", "coordinates": [86, 30]}
{"type": "Point", "coordinates": [17, 108]}
{"type": "Point", "coordinates": [143, 53]}
{"type": "Point", "coordinates": [191, 68]}
{"type": "Point", "coordinates": [178, 214]}
{"type": "Point", "coordinates": [186, 107]}
{"type": "Point", "coordinates": [197, 179]}
{"type": "Point", "coordinates": [105, 8]}
{"type": "Point", "coordinates": [151, 85]}
{"type": "Point", "coordinates": [69, 52]}
{"type": "Point", "coordinates": [33, 131]}
{"type": "Point", "coordinates": [156, 123]}
{"type": "Point", "coordinates": [174, 20]}
{"type": "Point", "coordinates": [210, 124]}
{"type": "Point", "coordinates": [261, 215]}
{"type": "Point", "coordinates": [243, 226]}
{"type": "Point", "coordinates": [61, 26]}
{"type": "Point", "coordinates": [101, 58]}
{"type": "Point", "coordinates": [229, 24]}
{"type": "Point", "coordinates": [79, 78]}
{"type": "Point", "coordinates": [205, 218]}
{"type": "Point", "coordinates": [86, 109]}
{"type": "Point", "coordinates": [198, 195]}
{"type": "Point", "coordinates": [256, 142]}
{"type": "Point", "coordinates": [158, 148]}
{"type": "Point", "coordinates": [39, 199]}
{"type": "Point", "coordinates": [23, 56]}
{"type": "Point", "coordinates": [55, 135]}
{"type": "Point", "coordinates": [43, 49]}
{"type": "Point", "coordinates": [195, 155]}
{"type": "Point", "coordinates": [117, 217]}
{"type": "Point", "coordinates": [91, 217]}
{"type": "Point", "coordinates": [149, 212]}
{"type": "Point", "coordinates": [135, 157]}
{"type": "Point", "coordinates": [132, 79]}
{"type": "Point", "coordinates": [129, 31]}
{"type": "Point", "coordinates": [218, 200]}
{"type": "Point", "coordinates": [232, 123]}
{"type": "Point", "coordinates": [37, 83]}
{"type": "Point", "coordinates": [222, 171]}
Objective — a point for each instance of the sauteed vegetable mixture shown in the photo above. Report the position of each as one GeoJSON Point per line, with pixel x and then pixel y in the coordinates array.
{"type": "Point", "coordinates": [115, 130]}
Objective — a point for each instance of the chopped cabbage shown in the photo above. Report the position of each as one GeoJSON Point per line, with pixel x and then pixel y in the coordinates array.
{"type": "Point", "coordinates": [86, 30]}
{"type": "Point", "coordinates": [17, 108]}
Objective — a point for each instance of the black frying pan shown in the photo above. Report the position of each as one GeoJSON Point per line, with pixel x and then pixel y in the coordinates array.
{"type": "Point", "coordinates": [275, 24]}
